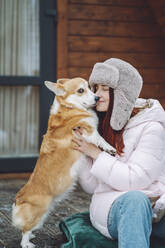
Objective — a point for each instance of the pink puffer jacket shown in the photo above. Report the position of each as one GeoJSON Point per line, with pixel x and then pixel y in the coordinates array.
{"type": "Point", "coordinates": [141, 167]}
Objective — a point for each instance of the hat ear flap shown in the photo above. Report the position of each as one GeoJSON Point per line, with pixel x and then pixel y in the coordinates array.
{"type": "Point", "coordinates": [121, 112]}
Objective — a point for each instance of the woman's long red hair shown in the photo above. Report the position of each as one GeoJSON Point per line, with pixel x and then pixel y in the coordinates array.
{"type": "Point", "coordinates": [113, 137]}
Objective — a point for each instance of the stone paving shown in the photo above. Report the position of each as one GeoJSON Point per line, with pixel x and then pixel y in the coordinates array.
{"type": "Point", "coordinates": [49, 236]}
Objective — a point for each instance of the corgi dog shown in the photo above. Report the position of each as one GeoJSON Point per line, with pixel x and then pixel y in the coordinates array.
{"type": "Point", "coordinates": [58, 163]}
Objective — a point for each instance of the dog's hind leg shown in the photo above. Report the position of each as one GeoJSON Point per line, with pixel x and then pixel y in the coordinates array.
{"type": "Point", "coordinates": [25, 243]}
{"type": "Point", "coordinates": [30, 216]}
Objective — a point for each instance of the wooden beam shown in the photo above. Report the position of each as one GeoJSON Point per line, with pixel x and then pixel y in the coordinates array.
{"type": "Point", "coordinates": [109, 13]}
{"type": "Point", "coordinates": [62, 48]}
{"type": "Point", "coordinates": [113, 29]}
{"type": "Point", "coordinates": [15, 175]}
{"type": "Point", "coordinates": [139, 60]}
{"type": "Point", "coordinates": [111, 2]}
{"type": "Point", "coordinates": [115, 44]}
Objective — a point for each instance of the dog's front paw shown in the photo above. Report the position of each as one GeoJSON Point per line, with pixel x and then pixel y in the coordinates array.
{"type": "Point", "coordinates": [77, 130]}
{"type": "Point", "coordinates": [158, 211]}
{"type": "Point", "coordinates": [112, 152]}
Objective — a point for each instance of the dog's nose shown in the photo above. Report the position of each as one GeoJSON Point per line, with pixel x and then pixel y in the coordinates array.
{"type": "Point", "coordinates": [97, 98]}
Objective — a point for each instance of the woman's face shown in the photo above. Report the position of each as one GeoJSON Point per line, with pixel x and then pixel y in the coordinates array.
{"type": "Point", "coordinates": [102, 91]}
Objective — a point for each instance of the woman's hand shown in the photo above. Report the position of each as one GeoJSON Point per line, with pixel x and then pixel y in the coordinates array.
{"type": "Point", "coordinates": [83, 146]}
{"type": "Point", "coordinates": [158, 210]}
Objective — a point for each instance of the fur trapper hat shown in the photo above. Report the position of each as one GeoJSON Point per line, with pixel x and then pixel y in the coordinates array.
{"type": "Point", "coordinates": [126, 82]}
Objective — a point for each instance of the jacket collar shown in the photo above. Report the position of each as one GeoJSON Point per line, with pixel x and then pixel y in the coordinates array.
{"type": "Point", "coordinates": [151, 110]}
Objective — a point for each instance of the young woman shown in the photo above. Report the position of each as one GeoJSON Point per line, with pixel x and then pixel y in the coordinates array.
{"type": "Point", "coordinates": [128, 201]}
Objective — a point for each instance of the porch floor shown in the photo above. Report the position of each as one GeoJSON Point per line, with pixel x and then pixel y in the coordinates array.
{"type": "Point", "coordinates": [49, 236]}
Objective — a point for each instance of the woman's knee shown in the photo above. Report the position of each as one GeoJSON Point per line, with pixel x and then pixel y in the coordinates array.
{"type": "Point", "coordinates": [131, 207]}
{"type": "Point", "coordinates": [137, 199]}
{"type": "Point", "coordinates": [136, 195]}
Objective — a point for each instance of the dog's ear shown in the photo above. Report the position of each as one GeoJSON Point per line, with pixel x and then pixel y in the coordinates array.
{"type": "Point", "coordinates": [62, 80]}
{"type": "Point", "coordinates": [58, 89]}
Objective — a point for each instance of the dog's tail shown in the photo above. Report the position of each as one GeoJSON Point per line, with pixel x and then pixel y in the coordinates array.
{"type": "Point", "coordinates": [15, 221]}
{"type": "Point", "coordinates": [27, 215]}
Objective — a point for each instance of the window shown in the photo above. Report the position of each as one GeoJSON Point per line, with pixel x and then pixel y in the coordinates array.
{"type": "Point", "coordinates": [27, 58]}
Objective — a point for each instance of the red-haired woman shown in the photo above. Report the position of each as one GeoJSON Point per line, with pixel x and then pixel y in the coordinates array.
{"type": "Point", "coordinates": [128, 201]}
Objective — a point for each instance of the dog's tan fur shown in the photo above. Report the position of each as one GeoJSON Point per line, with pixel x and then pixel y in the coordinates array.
{"type": "Point", "coordinates": [51, 176]}
{"type": "Point", "coordinates": [53, 165]}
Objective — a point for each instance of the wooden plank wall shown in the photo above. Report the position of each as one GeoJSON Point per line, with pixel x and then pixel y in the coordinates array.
{"type": "Point", "coordinates": [158, 8]}
{"type": "Point", "coordinates": [126, 29]}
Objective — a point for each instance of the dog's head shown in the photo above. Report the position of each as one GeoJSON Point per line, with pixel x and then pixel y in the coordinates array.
{"type": "Point", "coordinates": [73, 93]}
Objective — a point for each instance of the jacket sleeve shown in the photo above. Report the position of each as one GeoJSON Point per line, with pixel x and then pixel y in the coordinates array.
{"type": "Point", "coordinates": [143, 166]}
{"type": "Point", "coordinates": [87, 181]}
